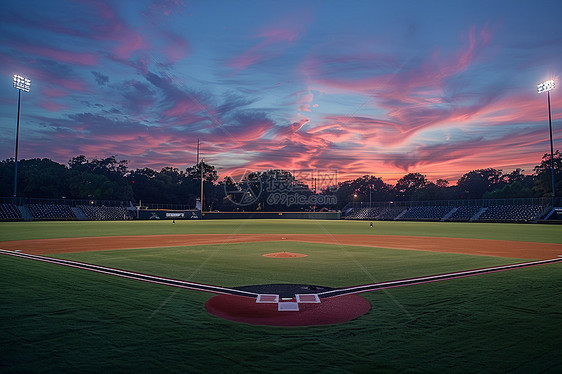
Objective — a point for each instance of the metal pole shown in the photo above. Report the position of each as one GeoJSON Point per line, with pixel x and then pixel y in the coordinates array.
{"type": "Point", "coordinates": [201, 166]}
{"type": "Point", "coordinates": [16, 156]}
{"type": "Point", "coordinates": [551, 151]}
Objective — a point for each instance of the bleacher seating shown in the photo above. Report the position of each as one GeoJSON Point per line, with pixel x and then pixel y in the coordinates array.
{"type": "Point", "coordinates": [512, 213]}
{"type": "Point", "coordinates": [51, 212]}
{"type": "Point", "coordinates": [104, 213]}
{"type": "Point", "coordinates": [375, 213]}
{"type": "Point", "coordinates": [9, 212]}
{"type": "Point", "coordinates": [425, 213]}
{"type": "Point", "coordinates": [502, 212]}
{"type": "Point", "coordinates": [464, 213]}
{"type": "Point", "coordinates": [492, 213]}
{"type": "Point", "coordinates": [356, 213]}
{"type": "Point", "coordinates": [390, 213]}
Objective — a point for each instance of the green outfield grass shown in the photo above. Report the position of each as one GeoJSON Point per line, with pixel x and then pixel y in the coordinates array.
{"type": "Point", "coordinates": [499, 231]}
{"type": "Point", "coordinates": [57, 319]}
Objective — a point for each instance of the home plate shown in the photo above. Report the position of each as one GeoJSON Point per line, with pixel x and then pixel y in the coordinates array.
{"type": "Point", "coordinates": [288, 306]}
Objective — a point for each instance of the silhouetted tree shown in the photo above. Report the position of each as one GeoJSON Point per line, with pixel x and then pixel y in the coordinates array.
{"type": "Point", "coordinates": [510, 191]}
{"type": "Point", "coordinates": [543, 175]}
{"type": "Point", "coordinates": [474, 184]}
{"type": "Point", "coordinates": [209, 172]}
{"type": "Point", "coordinates": [408, 184]}
{"type": "Point", "coordinates": [109, 178]}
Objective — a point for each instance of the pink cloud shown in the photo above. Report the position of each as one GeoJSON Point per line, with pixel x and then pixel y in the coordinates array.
{"type": "Point", "coordinates": [177, 48]}
{"type": "Point", "coordinates": [129, 43]}
{"type": "Point", "coordinates": [115, 29]}
{"type": "Point", "coordinates": [52, 106]}
{"type": "Point", "coordinates": [54, 92]}
{"type": "Point", "coordinates": [276, 40]}
{"type": "Point", "coordinates": [413, 98]}
{"type": "Point", "coordinates": [181, 107]}
{"type": "Point", "coordinates": [304, 102]}
{"type": "Point", "coordinates": [86, 59]}
{"type": "Point", "coordinates": [166, 7]}
{"type": "Point", "coordinates": [38, 72]}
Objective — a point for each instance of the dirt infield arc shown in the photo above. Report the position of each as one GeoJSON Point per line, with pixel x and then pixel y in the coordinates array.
{"type": "Point", "coordinates": [483, 247]}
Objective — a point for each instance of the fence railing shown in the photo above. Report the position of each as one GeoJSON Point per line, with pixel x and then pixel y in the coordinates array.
{"type": "Point", "coordinates": [541, 201]}
{"type": "Point", "coordinates": [20, 201]}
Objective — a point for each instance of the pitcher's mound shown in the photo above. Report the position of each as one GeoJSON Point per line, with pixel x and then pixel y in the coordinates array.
{"type": "Point", "coordinates": [284, 255]}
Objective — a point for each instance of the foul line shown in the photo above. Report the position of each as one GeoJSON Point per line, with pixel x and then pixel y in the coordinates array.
{"type": "Point", "coordinates": [431, 278]}
{"type": "Point", "coordinates": [132, 275]}
{"type": "Point", "coordinates": [230, 291]}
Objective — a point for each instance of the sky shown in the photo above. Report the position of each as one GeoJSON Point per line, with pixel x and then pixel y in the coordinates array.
{"type": "Point", "coordinates": [357, 87]}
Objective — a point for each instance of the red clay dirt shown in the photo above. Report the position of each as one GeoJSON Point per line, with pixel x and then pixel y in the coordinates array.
{"type": "Point", "coordinates": [329, 311]}
{"type": "Point", "coordinates": [284, 255]}
{"type": "Point", "coordinates": [500, 248]}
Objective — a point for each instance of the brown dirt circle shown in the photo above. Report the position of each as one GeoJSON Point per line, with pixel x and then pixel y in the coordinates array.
{"type": "Point", "coordinates": [284, 255]}
{"type": "Point", "coordinates": [500, 248]}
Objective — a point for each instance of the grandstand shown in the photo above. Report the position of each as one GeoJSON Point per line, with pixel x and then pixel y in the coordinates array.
{"type": "Point", "coordinates": [425, 213]}
{"type": "Point", "coordinates": [504, 210]}
{"type": "Point", "coordinates": [492, 210]}
{"type": "Point", "coordinates": [23, 209]}
{"type": "Point", "coordinates": [464, 213]}
{"type": "Point", "coordinates": [9, 212]}
{"type": "Point", "coordinates": [511, 213]}
{"type": "Point", "coordinates": [103, 213]}
{"type": "Point", "coordinates": [51, 212]}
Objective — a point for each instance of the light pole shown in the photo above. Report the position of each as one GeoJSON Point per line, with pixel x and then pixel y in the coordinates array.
{"type": "Point", "coordinates": [547, 86]}
{"type": "Point", "coordinates": [21, 84]}
{"type": "Point", "coordinates": [201, 166]}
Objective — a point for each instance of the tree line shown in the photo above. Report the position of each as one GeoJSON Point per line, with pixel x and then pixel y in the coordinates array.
{"type": "Point", "coordinates": [270, 190]}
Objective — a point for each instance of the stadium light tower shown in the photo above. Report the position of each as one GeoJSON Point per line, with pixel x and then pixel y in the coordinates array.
{"type": "Point", "coordinates": [547, 86]}
{"type": "Point", "coordinates": [21, 84]}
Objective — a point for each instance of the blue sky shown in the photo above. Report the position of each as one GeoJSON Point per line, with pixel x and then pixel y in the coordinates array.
{"type": "Point", "coordinates": [362, 87]}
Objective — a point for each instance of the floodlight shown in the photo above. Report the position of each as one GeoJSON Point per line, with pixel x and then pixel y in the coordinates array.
{"type": "Point", "coordinates": [547, 86]}
{"type": "Point", "coordinates": [22, 83]}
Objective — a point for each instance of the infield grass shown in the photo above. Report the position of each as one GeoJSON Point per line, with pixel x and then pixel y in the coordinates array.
{"type": "Point", "coordinates": [58, 319]}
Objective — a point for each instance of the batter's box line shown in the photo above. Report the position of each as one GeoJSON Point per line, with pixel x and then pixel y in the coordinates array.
{"type": "Point", "coordinates": [267, 298]}
{"type": "Point", "coordinates": [310, 298]}
{"type": "Point", "coordinates": [300, 299]}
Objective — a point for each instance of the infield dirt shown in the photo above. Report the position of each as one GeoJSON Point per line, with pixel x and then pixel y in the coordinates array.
{"type": "Point", "coordinates": [483, 247]}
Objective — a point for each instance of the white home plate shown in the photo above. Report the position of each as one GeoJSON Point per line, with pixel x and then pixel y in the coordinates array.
{"type": "Point", "coordinates": [288, 306]}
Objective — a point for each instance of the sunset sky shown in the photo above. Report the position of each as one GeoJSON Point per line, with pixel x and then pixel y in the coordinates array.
{"type": "Point", "coordinates": [361, 87]}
